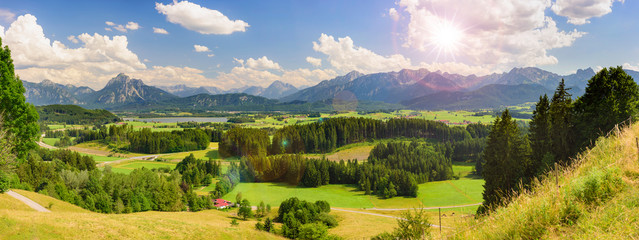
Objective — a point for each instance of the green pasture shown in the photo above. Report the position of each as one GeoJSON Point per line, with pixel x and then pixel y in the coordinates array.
{"type": "Point", "coordinates": [128, 167]}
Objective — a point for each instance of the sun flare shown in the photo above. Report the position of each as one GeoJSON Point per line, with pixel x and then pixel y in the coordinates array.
{"type": "Point", "coordinates": [446, 37]}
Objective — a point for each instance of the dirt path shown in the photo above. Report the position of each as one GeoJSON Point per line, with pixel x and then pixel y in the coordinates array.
{"type": "Point", "coordinates": [27, 201]}
{"type": "Point", "coordinates": [377, 214]}
{"type": "Point", "coordinates": [44, 145]}
{"type": "Point", "coordinates": [425, 208]}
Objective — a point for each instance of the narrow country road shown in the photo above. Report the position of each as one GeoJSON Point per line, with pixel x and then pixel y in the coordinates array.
{"type": "Point", "coordinates": [44, 145]}
{"type": "Point", "coordinates": [27, 201]}
{"type": "Point", "coordinates": [425, 208]}
{"type": "Point", "coordinates": [379, 215]}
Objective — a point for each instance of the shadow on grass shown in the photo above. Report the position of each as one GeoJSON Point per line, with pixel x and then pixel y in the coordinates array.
{"type": "Point", "coordinates": [214, 154]}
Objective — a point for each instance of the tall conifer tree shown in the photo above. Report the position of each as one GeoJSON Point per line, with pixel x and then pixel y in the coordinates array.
{"type": "Point", "coordinates": [540, 141]}
{"type": "Point", "coordinates": [506, 158]}
{"type": "Point", "coordinates": [561, 121]}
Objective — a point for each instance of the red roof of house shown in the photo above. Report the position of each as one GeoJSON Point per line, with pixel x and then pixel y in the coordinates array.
{"type": "Point", "coordinates": [221, 202]}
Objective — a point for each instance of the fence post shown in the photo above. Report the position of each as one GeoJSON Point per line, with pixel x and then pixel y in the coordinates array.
{"type": "Point", "coordinates": [440, 222]}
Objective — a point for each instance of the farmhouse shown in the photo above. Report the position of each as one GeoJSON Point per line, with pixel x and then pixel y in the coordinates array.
{"type": "Point", "coordinates": [221, 203]}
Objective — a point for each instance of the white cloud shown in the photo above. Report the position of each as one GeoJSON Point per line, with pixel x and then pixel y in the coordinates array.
{"type": "Point", "coordinates": [200, 19]}
{"type": "Point", "coordinates": [210, 55]}
{"type": "Point", "coordinates": [1, 31]}
{"type": "Point", "coordinates": [579, 11]}
{"type": "Point", "coordinates": [98, 59]}
{"type": "Point", "coordinates": [316, 62]}
{"type": "Point", "coordinates": [345, 56]}
{"type": "Point", "coordinates": [631, 67]}
{"type": "Point", "coordinates": [72, 39]}
{"type": "Point", "coordinates": [120, 28]}
{"type": "Point", "coordinates": [108, 29]}
{"type": "Point", "coordinates": [7, 15]}
{"type": "Point", "coordinates": [171, 75]}
{"type": "Point", "coordinates": [109, 23]}
{"type": "Point", "coordinates": [392, 12]}
{"type": "Point", "coordinates": [494, 33]}
{"type": "Point", "coordinates": [262, 63]}
{"type": "Point", "coordinates": [132, 26]}
{"type": "Point", "coordinates": [200, 48]}
{"type": "Point", "coordinates": [160, 31]}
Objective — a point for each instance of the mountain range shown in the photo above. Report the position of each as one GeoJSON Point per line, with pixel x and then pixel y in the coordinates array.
{"type": "Point", "coordinates": [416, 89]}
{"type": "Point", "coordinates": [276, 90]}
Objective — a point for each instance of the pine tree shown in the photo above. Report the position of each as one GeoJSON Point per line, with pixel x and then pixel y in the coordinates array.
{"type": "Point", "coordinates": [561, 121]}
{"type": "Point", "coordinates": [506, 157]}
{"type": "Point", "coordinates": [19, 117]}
{"type": "Point", "coordinates": [611, 97]}
{"type": "Point", "coordinates": [540, 141]}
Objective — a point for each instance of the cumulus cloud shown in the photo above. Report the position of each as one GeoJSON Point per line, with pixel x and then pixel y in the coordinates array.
{"type": "Point", "coordinates": [200, 48]}
{"type": "Point", "coordinates": [392, 12]}
{"type": "Point", "coordinates": [132, 26]}
{"type": "Point", "coordinates": [120, 28]}
{"type": "Point", "coordinates": [170, 75]}
{"type": "Point", "coordinates": [36, 57]}
{"type": "Point", "coordinates": [262, 63]}
{"type": "Point", "coordinates": [244, 76]}
{"type": "Point", "coordinates": [160, 31]}
{"type": "Point", "coordinates": [109, 23]}
{"type": "Point", "coordinates": [73, 39]}
{"type": "Point", "coordinates": [316, 62]}
{"type": "Point", "coordinates": [494, 34]}
{"type": "Point", "coordinates": [259, 72]}
{"type": "Point", "coordinates": [579, 11]}
{"type": "Point", "coordinates": [200, 19]}
{"type": "Point", "coordinates": [345, 56]}
{"type": "Point", "coordinates": [629, 66]}
{"type": "Point", "coordinates": [1, 31]}
{"type": "Point", "coordinates": [108, 29]}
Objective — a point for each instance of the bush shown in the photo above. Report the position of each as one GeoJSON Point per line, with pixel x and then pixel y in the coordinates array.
{"type": "Point", "coordinates": [328, 220]}
{"type": "Point", "coordinates": [597, 187]}
{"type": "Point", "coordinates": [312, 231]}
{"type": "Point", "coordinates": [4, 182]}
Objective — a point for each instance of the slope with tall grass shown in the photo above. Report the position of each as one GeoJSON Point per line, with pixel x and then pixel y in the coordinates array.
{"type": "Point", "coordinates": [597, 197]}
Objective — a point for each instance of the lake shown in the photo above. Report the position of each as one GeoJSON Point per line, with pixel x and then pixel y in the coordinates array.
{"type": "Point", "coordinates": [179, 119]}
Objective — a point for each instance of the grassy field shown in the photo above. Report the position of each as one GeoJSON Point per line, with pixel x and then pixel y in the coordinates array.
{"type": "Point", "coordinates": [50, 141]}
{"type": "Point", "coordinates": [128, 167]}
{"type": "Point", "coordinates": [66, 221]}
{"type": "Point", "coordinates": [432, 194]}
{"type": "Point", "coordinates": [211, 152]}
{"type": "Point", "coordinates": [99, 159]}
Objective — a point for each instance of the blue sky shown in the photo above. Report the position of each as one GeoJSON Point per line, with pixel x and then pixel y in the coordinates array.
{"type": "Point", "coordinates": [304, 42]}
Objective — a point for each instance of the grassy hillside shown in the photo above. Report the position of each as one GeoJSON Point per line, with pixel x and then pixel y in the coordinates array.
{"type": "Point", "coordinates": [66, 221]}
{"type": "Point", "coordinates": [596, 198]}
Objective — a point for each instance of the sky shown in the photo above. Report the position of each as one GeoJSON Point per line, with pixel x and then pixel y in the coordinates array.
{"type": "Point", "coordinates": [229, 44]}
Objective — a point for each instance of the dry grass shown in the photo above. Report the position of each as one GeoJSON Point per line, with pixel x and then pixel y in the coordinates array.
{"type": "Point", "coordinates": [595, 198]}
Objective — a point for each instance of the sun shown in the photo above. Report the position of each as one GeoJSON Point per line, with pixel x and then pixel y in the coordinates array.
{"type": "Point", "coordinates": [445, 37]}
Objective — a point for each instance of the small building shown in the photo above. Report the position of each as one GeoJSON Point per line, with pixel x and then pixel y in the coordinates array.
{"type": "Point", "coordinates": [221, 203]}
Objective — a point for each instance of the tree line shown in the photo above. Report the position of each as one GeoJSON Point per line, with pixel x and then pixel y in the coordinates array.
{"type": "Point", "coordinates": [144, 140]}
{"type": "Point", "coordinates": [560, 127]}
{"type": "Point", "coordinates": [327, 135]}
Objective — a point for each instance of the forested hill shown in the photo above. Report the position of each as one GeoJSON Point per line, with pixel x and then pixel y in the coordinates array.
{"type": "Point", "coordinates": [72, 114]}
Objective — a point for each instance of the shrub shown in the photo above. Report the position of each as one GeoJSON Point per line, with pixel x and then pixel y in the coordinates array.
{"type": "Point", "coordinates": [597, 187]}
